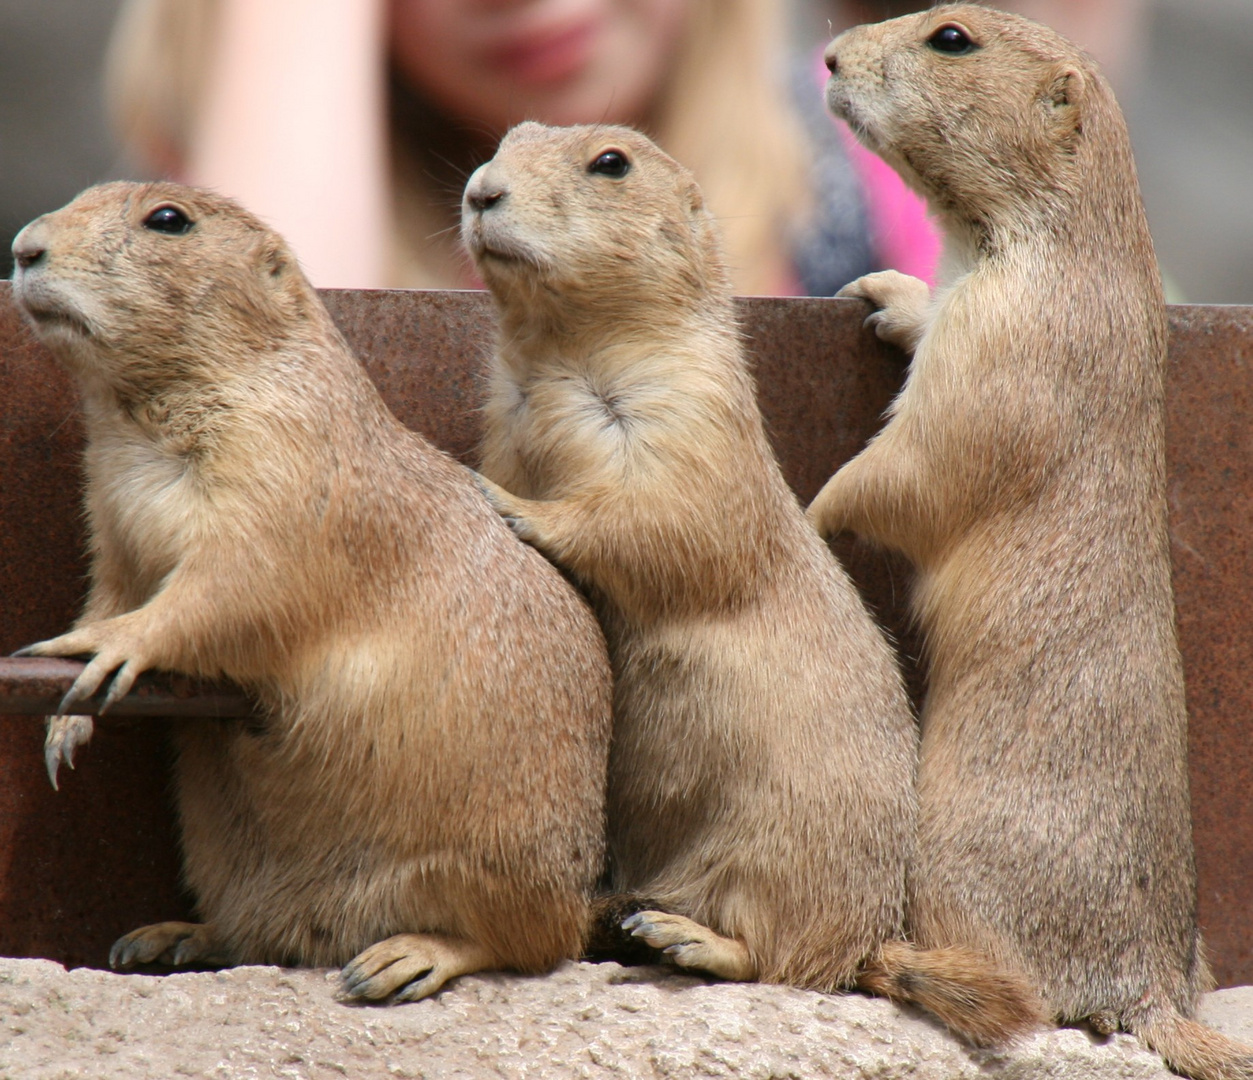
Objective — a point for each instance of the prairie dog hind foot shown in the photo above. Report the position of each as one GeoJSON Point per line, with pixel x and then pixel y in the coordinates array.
{"type": "Point", "coordinates": [174, 943]}
{"type": "Point", "coordinates": [409, 967]}
{"type": "Point", "coordinates": [691, 945]}
{"type": "Point", "coordinates": [65, 735]}
{"type": "Point", "coordinates": [903, 304]}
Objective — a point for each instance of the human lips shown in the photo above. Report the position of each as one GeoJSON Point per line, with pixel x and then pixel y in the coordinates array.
{"type": "Point", "coordinates": [546, 54]}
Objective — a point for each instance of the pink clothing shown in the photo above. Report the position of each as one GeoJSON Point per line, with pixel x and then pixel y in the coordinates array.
{"type": "Point", "coordinates": [903, 235]}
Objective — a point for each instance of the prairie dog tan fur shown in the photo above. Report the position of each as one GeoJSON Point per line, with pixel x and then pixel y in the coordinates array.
{"type": "Point", "coordinates": [427, 780]}
{"type": "Point", "coordinates": [1022, 470]}
{"type": "Point", "coordinates": [761, 774]}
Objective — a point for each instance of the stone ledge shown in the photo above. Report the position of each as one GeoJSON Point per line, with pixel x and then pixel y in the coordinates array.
{"type": "Point", "coordinates": [587, 1021]}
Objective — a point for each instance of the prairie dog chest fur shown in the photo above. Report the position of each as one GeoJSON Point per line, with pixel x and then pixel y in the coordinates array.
{"type": "Point", "coordinates": [562, 268]}
{"type": "Point", "coordinates": [565, 420]}
{"type": "Point", "coordinates": [145, 498]}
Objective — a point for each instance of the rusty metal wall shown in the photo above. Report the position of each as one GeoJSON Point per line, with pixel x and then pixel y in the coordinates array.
{"type": "Point", "coordinates": [1209, 447]}
{"type": "Point", "coordinates": [80, 867]}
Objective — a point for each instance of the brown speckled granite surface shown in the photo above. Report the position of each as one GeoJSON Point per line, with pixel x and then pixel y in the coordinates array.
{"type": "Point", "coordinates": [80, 867]}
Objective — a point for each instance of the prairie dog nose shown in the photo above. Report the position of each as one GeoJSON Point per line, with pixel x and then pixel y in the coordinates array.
{"type": "Point", "coordinates": [29, 246]}
{"type": "Point", "coordinates": [485, 198]}
{"type": "Point", "coordinates": [829, 58]}
{"type": "Point", "coordinates": [484, 189]}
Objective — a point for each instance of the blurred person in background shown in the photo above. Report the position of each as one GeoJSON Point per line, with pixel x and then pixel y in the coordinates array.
{"type": "Point", "coordinates": [351, 125]}
{"type": "Point", "coordinates": [1190, 123]}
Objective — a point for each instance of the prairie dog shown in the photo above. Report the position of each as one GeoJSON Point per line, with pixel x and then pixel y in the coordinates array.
{"type": "Point", "coordinates": [427, 781]}
{"type": "Point", "coordinates": [1022, 470]}
{"type": "Point", "coordinates": [762, 767]}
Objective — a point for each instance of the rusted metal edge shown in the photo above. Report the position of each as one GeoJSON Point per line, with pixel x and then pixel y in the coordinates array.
{"type": "Point", "coordinates": [35, 686]}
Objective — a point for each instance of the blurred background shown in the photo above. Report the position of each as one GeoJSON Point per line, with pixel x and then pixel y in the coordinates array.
{"type": "Point", "coordinates": [1183, 70]}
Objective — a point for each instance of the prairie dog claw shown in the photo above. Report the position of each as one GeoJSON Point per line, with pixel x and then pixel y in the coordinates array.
{"type": "Point", "coordinates": [65, 735]}
{"type": "Point", "coordinates": [506, 506]}
{"type": "Point", "coordinates": [120, 654]}
{"type": "Point", "coordinates": [409, 967]}
{"type": "Point", "coordinates": [115, 647]}
{"type": "Point", "coordinates": [492, 492]}
{"type": "Point", "coordinates": [173, 943]}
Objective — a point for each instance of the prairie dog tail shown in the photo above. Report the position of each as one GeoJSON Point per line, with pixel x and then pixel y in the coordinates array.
{"type": "Point", "coordinates": [972, 996]}
{"type": "Point", "coordinates": [606, 940]}
{"type": "Point", "coordinates": [1193, 1049]}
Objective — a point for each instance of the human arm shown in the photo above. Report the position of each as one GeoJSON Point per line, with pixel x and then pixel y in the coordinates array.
{"type": "Point", "coordinates": [293, 124]}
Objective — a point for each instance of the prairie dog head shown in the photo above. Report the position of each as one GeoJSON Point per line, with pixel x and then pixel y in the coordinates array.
{"type": "Point", "coordinates": [134, 284]}
{"type": "Point", "coordinates": [588, 216]}
{"type": "Point", "coordinates": [987, 115]}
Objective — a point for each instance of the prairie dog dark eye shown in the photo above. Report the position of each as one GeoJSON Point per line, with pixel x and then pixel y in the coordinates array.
{"type": "Point", "coordinates": [951, 39]}
{"type": "Point", "coordinates": [611, 163]}
{"type": "Point", "coordinates": [168, 219]}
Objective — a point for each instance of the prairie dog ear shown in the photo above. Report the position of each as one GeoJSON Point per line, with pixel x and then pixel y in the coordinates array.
{"type": "Point", "coordinates": [274, 260]}
{"type": "Point", "coordinates": [695, 199]}
{"type": "Point", "coordinates": [1064, 92]}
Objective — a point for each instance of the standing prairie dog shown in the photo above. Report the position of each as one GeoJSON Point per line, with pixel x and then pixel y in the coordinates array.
{"type": "Point", "coordinates": [1022, 470]}
{"type": "Point", "coordinates": [428, 772]}
{"type": "Point", "coordinates": [762, 768]}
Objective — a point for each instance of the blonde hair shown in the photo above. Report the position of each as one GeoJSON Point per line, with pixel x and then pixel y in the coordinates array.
{"type": "Point", "coordinates": [723, 112]}
{"type": "Point", "coordinates": [155, 75]}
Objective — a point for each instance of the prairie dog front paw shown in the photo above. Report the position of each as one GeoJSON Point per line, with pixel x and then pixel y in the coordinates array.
{"type": "Point", "coordinates": [828, 512]}
{"type": "Point", "coordinates": [903, 304]}
{"type": "Point", "coordinates": [509, 507]}
{"type": "Point", "coordinates": [115, 645]}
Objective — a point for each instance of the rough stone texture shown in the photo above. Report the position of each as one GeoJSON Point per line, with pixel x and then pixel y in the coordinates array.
{"type": "Point", "coordinates": [586, 1021]}
{"type": "Point", "coordinates": [1231, 1011]}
